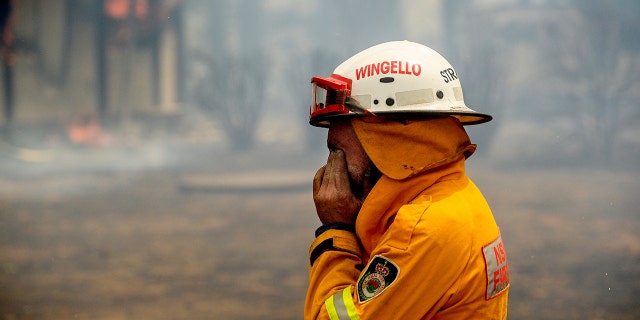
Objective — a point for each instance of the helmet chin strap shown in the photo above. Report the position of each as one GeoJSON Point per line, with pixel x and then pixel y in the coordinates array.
{"type": "Point", "coordinates": [371, 177]}
{"type": "Point", "coordinates": [354, 106]}
{"type": "Point", "coordinates": [373, 173]}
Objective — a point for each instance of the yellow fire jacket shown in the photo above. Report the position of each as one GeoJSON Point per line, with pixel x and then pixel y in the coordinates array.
{"type": "Point", "coordinates": [425, 247]}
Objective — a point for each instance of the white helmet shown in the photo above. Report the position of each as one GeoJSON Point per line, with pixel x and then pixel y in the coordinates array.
{"type": "Point", "coordinates": [398, 79]}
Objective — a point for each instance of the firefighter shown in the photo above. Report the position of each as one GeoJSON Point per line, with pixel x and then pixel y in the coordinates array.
{"type": "Point", "coordinates": [405, 233]}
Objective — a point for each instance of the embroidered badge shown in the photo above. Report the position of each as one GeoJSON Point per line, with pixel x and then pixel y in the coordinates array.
{"type": "Point", "coordinates": [495, 259]}
{"type": "Point", "coordinates": [379, 275]}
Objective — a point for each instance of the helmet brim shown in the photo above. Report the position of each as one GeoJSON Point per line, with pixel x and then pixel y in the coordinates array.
{"type": "Point", "coordinates": [465, 118]}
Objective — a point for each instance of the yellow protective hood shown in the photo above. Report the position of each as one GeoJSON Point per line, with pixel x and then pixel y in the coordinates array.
{"type": "Point", "coordinates": [404, 149]}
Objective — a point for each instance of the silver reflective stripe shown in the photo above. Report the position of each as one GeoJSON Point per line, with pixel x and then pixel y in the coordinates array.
{"type": "Point", "coordinates": [420, 96]}
{"type": "Point", "coordinates": [338, 303]}
{"type": "Point", "coordinates": [340, 306]}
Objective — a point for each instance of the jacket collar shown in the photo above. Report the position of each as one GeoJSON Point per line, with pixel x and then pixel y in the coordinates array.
{"type": "Point", "coordinates": [412, 155]}
{"type": "Point", "coordinates": [388, 195]}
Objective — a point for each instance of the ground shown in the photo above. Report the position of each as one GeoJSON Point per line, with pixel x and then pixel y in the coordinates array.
{"type": "Point", "coordinates": [103, 239]}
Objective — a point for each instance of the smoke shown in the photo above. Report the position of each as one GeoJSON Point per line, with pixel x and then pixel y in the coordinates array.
{"type": "Point", "coordinates": [179, 172]}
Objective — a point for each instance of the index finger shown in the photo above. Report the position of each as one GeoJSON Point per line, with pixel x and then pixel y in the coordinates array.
{"type": "Point", "coordinates": [318, 178]}
{"type": "Point", "coordinates": [336, 170]}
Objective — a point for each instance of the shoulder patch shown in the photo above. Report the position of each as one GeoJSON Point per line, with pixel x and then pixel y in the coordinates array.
{"type": "Point", "coordinates": [495, 259]}
{"type": "Point", "coordinates": [377, 277]}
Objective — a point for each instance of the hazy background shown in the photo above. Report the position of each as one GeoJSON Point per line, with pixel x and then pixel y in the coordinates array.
{"type": "Point", "coordinates": [150, 165]}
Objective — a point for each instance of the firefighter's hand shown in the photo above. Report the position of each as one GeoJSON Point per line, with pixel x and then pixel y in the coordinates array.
{"type": "Point", "coordinates": [335, 202]}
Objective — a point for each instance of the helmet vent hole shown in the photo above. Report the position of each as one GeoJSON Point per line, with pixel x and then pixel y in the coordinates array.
{"type": "Point", "coordinates": [390, 101]}
{"type": "Point", "coordinates": [440, 94]}
{"type": "Point", "coordinates": [375, 101]}
{"type": "Point", "coordinates": [386, 79]}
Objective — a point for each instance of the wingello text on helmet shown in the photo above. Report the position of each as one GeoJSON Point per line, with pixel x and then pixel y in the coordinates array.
{"type": "Point", "coordinates": [388, 67]}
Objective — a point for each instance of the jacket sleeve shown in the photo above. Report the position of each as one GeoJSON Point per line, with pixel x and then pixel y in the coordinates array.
{"type": "Point", "coordinates": [411, 274]}
{"type": "Point", "coordinates": [335, 258]}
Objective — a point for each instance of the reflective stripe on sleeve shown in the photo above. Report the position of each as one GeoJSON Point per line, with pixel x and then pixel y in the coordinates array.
{"type": "Point", "coordinates": [331, 309]}
{"type": "Point", "coordinates": [340, 306]}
